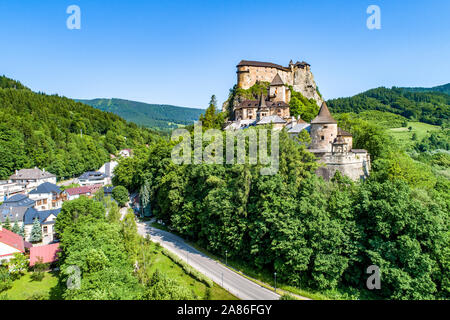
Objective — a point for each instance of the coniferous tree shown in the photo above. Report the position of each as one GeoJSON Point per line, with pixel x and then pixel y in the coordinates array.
{"type": "Point", "coordinates": [7, 224]}
{"type": "Point", "coordinates": [15, 228]}
{"type": "Point", "coordinates": [22, 231]}
{"type": "Point", "coordinates": [36, 231]}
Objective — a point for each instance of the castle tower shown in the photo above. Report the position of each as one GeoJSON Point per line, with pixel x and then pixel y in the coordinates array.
{"type": "Point", "coordinates": [323, 130]}
{"type": "Point", "coordinates": [278, 91]}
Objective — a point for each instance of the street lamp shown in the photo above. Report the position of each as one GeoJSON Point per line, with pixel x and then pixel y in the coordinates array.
{"type": "Point", "coordinates": [226, 257]}
{"type": "Point", "coordinates": [275, 275]}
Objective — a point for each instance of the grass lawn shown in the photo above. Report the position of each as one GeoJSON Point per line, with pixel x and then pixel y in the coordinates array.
{"type": "Point", "coordinates": [166, 265]}
{"type": "Point", "coordinates": [27, 289]}
{"type": "Point", "coordinates": [404, 137]}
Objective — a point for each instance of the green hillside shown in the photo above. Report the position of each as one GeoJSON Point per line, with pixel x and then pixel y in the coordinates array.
{"type": "Point", "coordinates": [429, 107]}
{"type": "Point", "coordinates": [443, 89]}
{"type": "Point", "coordinates": [148, 115]}
{"type": "Point", "coordinates": [58, 134]}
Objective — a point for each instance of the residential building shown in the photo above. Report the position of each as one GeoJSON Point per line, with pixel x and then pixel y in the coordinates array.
{"type": "Point", "coordinates": [47, 220]}
{"type": "Point", "coordinates": [47, 196]}
{"type": "Point", "coordinates": [87, 191]}
{"type": "Point", "coordinates": [32, 178]}
{"type": "Point", "coordinates": [91, 178]}
{"type": "Point", "coordinates": [9, 188]}
{"type": "Point", "coordinates": [10, 244]}
{"type": "Point", "coordinates": [15, 207]}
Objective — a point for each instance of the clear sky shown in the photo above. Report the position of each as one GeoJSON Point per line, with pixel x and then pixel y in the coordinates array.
{"type": "Point", "coordinates": [182, 52]}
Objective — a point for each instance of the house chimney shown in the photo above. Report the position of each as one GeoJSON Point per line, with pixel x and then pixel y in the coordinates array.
{"type": "Point", "coordinates": [293, 121]}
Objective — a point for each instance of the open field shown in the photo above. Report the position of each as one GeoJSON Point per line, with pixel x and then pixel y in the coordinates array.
{"type": "Point", "coordinates": [403, 136]}
{"type": "Point", "coordinates": [27, 289]}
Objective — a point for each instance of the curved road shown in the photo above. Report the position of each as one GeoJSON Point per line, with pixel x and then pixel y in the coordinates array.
{"type": "Point", "coordinates": [235, 283]}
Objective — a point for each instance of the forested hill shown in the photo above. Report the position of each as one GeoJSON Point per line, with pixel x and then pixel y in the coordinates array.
{"type": "Point", "coordinates": [428, 107]}
{"type": "Point", "coordinates": [58, 134]}
{"type": "Point", "coordinates": [443, 89]}
{"type": "Point", "coordinates": [148, 115]}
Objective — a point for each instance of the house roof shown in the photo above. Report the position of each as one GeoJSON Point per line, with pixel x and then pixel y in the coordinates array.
{"type": "Point", "coordinates": [48, 253]}
{"type": "Point", "coordinates": [359, 151]}
{"type": "Point", "coordinates": [271, 119]}
{"type": "Point", "coordinates": [13, 213]}
{"type": "Point", "coordinates": [46, 187]}
{"type": "Point", "coordinates": [12, 239]}
{"type": "Point", "coordinates": [32, 214]}
{"type": "Point", "coordinates": [343, 133]}
{"type": "Point", "coordinates": [92, 175]}
{"type": "Point", "coordinates": [256, 103]}
{"type": "Point", "coordinates": [18, 200]}
{"type": "Point", "coordinates": [261, 64]}
{"type": "Point", "coordinates": [32, 174]}
{"type": "Point", "coordinates": [324, 115]}
{"type": "Point", "coordinates": [277, 81]}
{"type": "Point", "coordinates": [299, 127]}
{"type": "Point", "coordinates": [83, 190]}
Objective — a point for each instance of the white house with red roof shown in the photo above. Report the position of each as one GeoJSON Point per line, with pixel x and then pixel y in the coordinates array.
{"type": "Point", "coordinates": [88, 191]}
{"type": "Point", "coordinates": [10, 243]}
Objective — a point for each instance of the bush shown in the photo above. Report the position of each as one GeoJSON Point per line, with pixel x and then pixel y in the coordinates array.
{"type": "Point", "coordinates": [38, 270]}
{"type": "Point", "coordinates": [188, 269]}
{"type": "Point", "coordinates": [5, 279]}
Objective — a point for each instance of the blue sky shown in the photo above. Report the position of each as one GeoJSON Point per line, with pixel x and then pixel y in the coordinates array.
{"type": "Point", "coordinates": [182, 52]}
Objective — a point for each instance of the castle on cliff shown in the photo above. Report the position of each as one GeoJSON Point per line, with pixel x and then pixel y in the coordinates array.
{"type": "Point", "coordinates": [332, 146]}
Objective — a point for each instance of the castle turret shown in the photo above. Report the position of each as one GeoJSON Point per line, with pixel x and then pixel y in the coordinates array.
{"type": "Point", "coordinates": [323, 130]}
{"type": "Point", "coordinates": [278, 91]}
{"type": "Point", "coordinates": [263, 109]}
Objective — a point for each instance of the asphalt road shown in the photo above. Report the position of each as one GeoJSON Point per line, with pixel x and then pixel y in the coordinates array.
{"type": "Point", "coordinates": [235, 283]}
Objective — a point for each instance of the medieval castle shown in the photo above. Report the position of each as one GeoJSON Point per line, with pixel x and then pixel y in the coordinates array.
{"type": "Point", "coordinates": [332, 146]}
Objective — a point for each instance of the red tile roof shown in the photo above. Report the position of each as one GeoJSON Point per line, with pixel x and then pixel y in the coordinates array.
{"type": "Point", "coordinates": [83, 190]}
{"type": "Point", "coordinates": [12, 239]}
{"type": "Point", "coordinates": [48, 253]}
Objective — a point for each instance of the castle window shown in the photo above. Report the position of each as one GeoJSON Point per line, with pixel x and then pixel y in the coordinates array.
{"type": "Point", "coordinates": [325, 127]}
{"type": "Point", "coordinates": [323, 138]}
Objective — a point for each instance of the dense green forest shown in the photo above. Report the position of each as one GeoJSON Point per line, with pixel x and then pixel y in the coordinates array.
{"type": "Point", "coordinates": [156, 116]}
{"type": "Point", "coordinates": [428, 107]}
{"type": "Point", "coordinates": [63, 136]}
{"type": "Point", "coordinates": [316, 235]}
{"type": "Point", "coordinates": [445, 88]}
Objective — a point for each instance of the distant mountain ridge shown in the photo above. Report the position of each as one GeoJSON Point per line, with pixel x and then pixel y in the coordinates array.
{"type": "Point", "coordinates": [445, 88]}
{"type": "Point", "coordinates": [157, 116]}
{"type": "Point", "coordinates": [429, 105]}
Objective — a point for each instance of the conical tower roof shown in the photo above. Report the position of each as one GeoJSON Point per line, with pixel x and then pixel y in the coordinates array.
{"type": "Point", "coordinates": [324, 115]}
{"type": "Point", "coordinates": [277, 81]}
{"type": "Point", "coordinates": [262, 102]}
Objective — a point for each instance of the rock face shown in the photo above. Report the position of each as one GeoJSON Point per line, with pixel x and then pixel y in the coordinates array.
{"type": "Point", "coordinates": [298, 75]}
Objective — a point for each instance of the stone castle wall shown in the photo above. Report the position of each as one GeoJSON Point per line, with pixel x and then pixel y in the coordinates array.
{"type": "Point", "coordinates": [354, 165]}
{"type": "Point", "coordinates": [301, 79]}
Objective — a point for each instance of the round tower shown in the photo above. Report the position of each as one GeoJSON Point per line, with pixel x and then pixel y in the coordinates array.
{"type": "Point", "coordinates": [323, 130]}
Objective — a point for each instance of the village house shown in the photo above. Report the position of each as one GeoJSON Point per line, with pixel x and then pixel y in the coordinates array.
{"type": "Point", "coordinates": [9, 188]}
{"type": "Point", "coordinates": [87, 191]}
{"type": "Point", "coordinates": [47, 221]}
{"type": "Point", "coordinates": [91, 178]}
{"type": "Point", "coordinates": [10, 244]}
{"type": "Point", "coordinates": [47, 196]}
{"type": "Point", "coordinates": [32, 178]}
{"type": "Point", "coordinates": [14, 208]}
